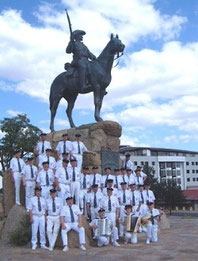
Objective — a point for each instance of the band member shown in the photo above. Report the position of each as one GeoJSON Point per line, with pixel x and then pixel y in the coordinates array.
{"type": "Point", "coordinates": [150, 197]}
{"type": "Point", "coordinates": [84, 188]}
{"type": "Point", "coordinates": [151, 223]}
{"type": "Point", "coordinates": [130, 177]}
{"type": "Point", "coordinates": [48, 157]}
{"type": "Point", "coordinates": [111, 206]}
{"type": "Point", "coordinates": [116, 177]}
{"type": "Point", "coordinates": [103, 240]}
{"type": "Point", "coordinates": [122, 178]}
{"type": "Point", "coordinates": [54, 208]}
{"type": "Point", "coordinates": [59, 163]}
{"type": "Point", "coordinates": [29, 175]}
{"type": "Point", "coordinates": [16, 166]}
{"type": "Point", "coordinates": [64, 146]}
{"type": "Point", "coordinates": [142, 174]}
{"type": "Point", "coordinates": [63, 180]}
{"type": "Point", "coordinates": [71, 218]}
{"type": "Point", "coordinates": [37, 209]}
{"type": "Point", "coordinates": [78, 149]}
{"type": "Point", "coordinates": [95, 177]}
{"type": "Point", "coordinates": [106, 176]}
{"type": "Point", "coordinates": [129, 235]}
{"type": "Point", "coordinates": [139, 180]}
{"type": "Point", "coordinates": [127, 163]}
{"type": "Point", "coordinates": [135, 197]}
{"type": "Point", "coordinates": [41, 146]}
{"type": "Point", "coordinates": [124, 198]}
{"type": "Point", "coordinates": [45, 179]}
{"type": "Point", "coordinates": [110, 185]}
{"type": "Point", "coordinates": [75, 181]}
{"type": "Point", "coordinates": [94, 202]}
{"type": "Point", "coordinates": [143, 197]}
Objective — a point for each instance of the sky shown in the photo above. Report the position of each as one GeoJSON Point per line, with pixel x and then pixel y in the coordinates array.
{"type": "Point", "coordinates": [154, 89]}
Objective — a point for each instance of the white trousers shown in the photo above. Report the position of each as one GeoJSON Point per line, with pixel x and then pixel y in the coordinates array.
{"type": "Point", "coordinates": [29, 192]}
{"type": "Point", "coordinates": [17, 184]}
{"type": "Point", "coordinates": [45, 192]}
{"type": "Point", "coordinates": [75, 191]}
{"type": "Point", "coordinates": [104, 240]}
{"type": "Point", "coordinates": [152, 232]}
{"type": "Point", "coordinates": [112, 216]}
{"type": "Point", "coordinates": [73, 226]}
{"type": "Point", "coordinates": [38, 223]}
{"type": "Point", "coordinates": [94, 213]}
{"type": "Point", "coordinates": [79, 159]}
{"type": "Point", "coordinates": [53, 226]}
{"type": "Point", "coordinates": [64, 192]}
{"type": "Point", "coordinates": [131, 236]}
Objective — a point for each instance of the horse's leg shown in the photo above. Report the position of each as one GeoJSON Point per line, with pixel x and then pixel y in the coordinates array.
{"type": "Point", "coordinates": [97, 103]}
{"type": "Point", "coordinates": [53, 108]}
{"type": "Point", "coordinates": [70, 107]}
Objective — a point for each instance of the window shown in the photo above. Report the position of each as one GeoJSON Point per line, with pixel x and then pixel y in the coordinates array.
{"type": "Point", "coordinates": [178, 181]}
{"type": "Point", "coordinates": [135, 163]}
{"type": "Point", "coordinates": [162, 173]}
{"type": "Point", "coordinates": [174, 172]}
{"type": "Point", "coordinates": [188, 171]}
{"type": "Point", "coordinates": [188, 179]}
{"type": "Point", "coordinates": [142, 163]}
{"type": "Point", "coordinates": [196, 170]}
{"type": "Point", "coordinates": [197, 179]}
{"type": "Point", "coordinates": [153, 171]}
{"type": "Point", "coordinates": [196, 163]}
{"type": "Point", "coordinates": [146, 163]}
{"type": "Point", "coordinates": [168, 165]}
{"type": "Point", "coordinates": [153, 163]}
{"type": "Point", "coordinates": [193, 179]}
{"type": "Point", "coordinates": [162, 165]}
{"type": "Point", "coordinates": [193, 171]}
{"type": "Point", "coordinates": [187, 163]}
{"type": "Point", "coordinates": [178, 164]}
{"type": "Point", "coordinates": [169, 173]}
{"type": "Point", "coordinates": [193, 163]}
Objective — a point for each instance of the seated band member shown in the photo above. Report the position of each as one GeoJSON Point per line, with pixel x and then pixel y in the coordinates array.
{"type": "Point", "coordinates": [37, 209]}
{"type": "Point", "coordinates": [94, 201]}
{"type": "Point", "coordinates": [151, 223]}
{"type": "Point", "coordinates": [103, 240]}
{"type": "Point", "coordinates": [54, 207]}
{"type": "Point", "coordinates": [129, 235]}
{"type": "Point", "coordinates": [71, 219]}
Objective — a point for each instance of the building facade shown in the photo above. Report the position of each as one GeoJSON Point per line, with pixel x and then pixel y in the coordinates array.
{"type": "Point", "coordinates": [167, 164]}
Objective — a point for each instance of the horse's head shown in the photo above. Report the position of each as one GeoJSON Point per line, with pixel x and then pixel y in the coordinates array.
{"type": "Point", "coordinates": [116, 45]}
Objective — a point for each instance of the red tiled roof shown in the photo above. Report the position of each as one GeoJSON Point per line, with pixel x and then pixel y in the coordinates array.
{"type": "Point", "coordinates": [191, 194]}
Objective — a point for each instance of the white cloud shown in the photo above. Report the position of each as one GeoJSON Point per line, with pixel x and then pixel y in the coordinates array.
{"type": "Point", "coordinates": [132, 141]}
{"type": "Point", "coordinates": [13, 113]}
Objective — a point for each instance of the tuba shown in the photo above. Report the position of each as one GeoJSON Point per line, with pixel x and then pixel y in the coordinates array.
{"type": "Point", "coordinates": [103, 227]}
{"type": "Point", "coordinates": [132, 223]}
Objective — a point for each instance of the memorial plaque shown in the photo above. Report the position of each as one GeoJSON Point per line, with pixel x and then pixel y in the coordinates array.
{"type": "Point", "coordinates": [109, 159]}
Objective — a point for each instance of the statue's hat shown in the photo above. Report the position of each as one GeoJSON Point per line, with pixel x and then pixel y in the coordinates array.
{"type": "Point", "coordinates": [76, 32]}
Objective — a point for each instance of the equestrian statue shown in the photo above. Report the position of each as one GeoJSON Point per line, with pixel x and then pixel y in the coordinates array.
{"type": "Point", "coordinates": [84, 74]}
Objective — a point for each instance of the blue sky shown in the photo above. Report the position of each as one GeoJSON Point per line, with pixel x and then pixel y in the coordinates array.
{"type": "Point", "coordinates": [153, 94]}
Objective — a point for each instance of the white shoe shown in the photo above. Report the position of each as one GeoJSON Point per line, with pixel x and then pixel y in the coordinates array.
{"type": "Point", "coordinates": [116, 244]}
{"type": "Point", "coordinates": [18, 203]}
{"type": "Point", "coordinates": [65, 249]}
{"type": "Point", "coordinates": [148, 241]}
{"type": "Point", "coordinates": [44, 247]}
{"type": "Point", "coordinates": [82, 248]}
{"type": "Point", "coordinates": [28, 211]}
{"type": "Point", "coordinates": [33, 247]}
{"type": "Point", "coordinates": [51, 249]}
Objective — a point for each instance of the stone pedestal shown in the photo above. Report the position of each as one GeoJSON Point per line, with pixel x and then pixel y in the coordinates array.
{"type": "Point", "coordinates": [97, 137]}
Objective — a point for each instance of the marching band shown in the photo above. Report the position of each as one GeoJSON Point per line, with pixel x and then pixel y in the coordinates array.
{"type": "Point", "coordinates": [58, 195]}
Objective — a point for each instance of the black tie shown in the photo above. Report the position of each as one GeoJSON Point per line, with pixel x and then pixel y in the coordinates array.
{"type": "Point", "coordinates": [42, 150]}
{"type": "Point", "coordinates": [39, 204]}
{"type": "Point", "coordinates": [109, 204]}
{"type": "Point", "coordinates": [124, 197]}
{"type": "Point", "coordinates": [116, 182]}
{"type": "Point", "coordinates": [64, 147]}
{"type": "Point", "coordinates": [95, 201]}
{"type": "Point", "coordinates": [94, 180]}
{"type": "Point", "coordinates": [133, 199]}
{"type": "Point", "coordinates": [66, 173]}
{"type": "Point", "coordinates": [71, 214]}
{"type": "Point", "coordinates": [84, 182]}
{"type": "Point", "coordinates": [32, 172]}
{"type": "Point", "coordinates": [123, 179]}
{"type": "Point", "coordinates": [78, 147]}
{"type": "Point", "coordinates": [142, 197]}
{"type": "Point", "coordinates": [19, 165]}
{"type": "Point", "coordinates": [106, 182]}
{"type": "Point", "coordinates": [47, 179]}
{"type": "Point", "coordinates": [53, 205]}
{"type": "Point", "coordinates": [147, 197]}
{"type": "Point", "coordinates": [73, 175]}
{"type": "Point", "coordinates": [125, 165]}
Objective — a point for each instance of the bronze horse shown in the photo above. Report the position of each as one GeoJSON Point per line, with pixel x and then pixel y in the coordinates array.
{"type": "Point", "coordinates": [67, 86]}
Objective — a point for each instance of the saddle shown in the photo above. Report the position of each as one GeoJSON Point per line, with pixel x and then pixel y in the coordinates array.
{"type": "Point", "coordinates": [70, 70]}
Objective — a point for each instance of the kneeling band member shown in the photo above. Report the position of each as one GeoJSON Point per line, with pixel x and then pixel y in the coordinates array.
{"type": "Point", "coordinates": [103, 229]}
{"type": "Point", "coordinates": [71, 219]}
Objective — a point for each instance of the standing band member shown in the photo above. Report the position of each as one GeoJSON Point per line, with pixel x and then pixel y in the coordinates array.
{"type": "Point", "coordinates": [64, 146]}
{"type": "Point", "coordinates": [75, 181]}
{"type": "Point", "coordinates": [94, 202]}
{"type": "Point", "coordinates": [127, 163]}
{"type": "Point", "coordinates": [84, 188]}
{"type": "Point", "coordinates": [41, 146]}
{"type": "Point", "coordinates": [16, 166]}
{"type": "Point", "coordinates": [54, 208]}
{"type": "Point", "coordinates": [71, 218]}
{"type": "Point", "coordinates": [29, 175]}
{"type": "Point", "coordinates": [37, 208]}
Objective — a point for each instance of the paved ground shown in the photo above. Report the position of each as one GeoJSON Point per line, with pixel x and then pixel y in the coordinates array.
{"type": "Point", "coordinates": [180, 242]}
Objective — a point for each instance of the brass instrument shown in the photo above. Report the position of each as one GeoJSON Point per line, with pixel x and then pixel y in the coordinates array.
{"type": "Point", "coordinates": [103, 227]}
{"type": "Point", "coordinates": [132, 223]}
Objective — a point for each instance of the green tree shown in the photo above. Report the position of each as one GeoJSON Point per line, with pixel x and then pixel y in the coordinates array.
{"type": "Point", "coordinates": [19, 134]}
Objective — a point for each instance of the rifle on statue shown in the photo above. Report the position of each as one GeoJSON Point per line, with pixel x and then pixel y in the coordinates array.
{"type": "Point", "coordinates": [69, 22]}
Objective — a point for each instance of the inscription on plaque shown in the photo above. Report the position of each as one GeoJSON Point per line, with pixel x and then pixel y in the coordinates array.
{"type": "Point", "coordinates": [109, 159]}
